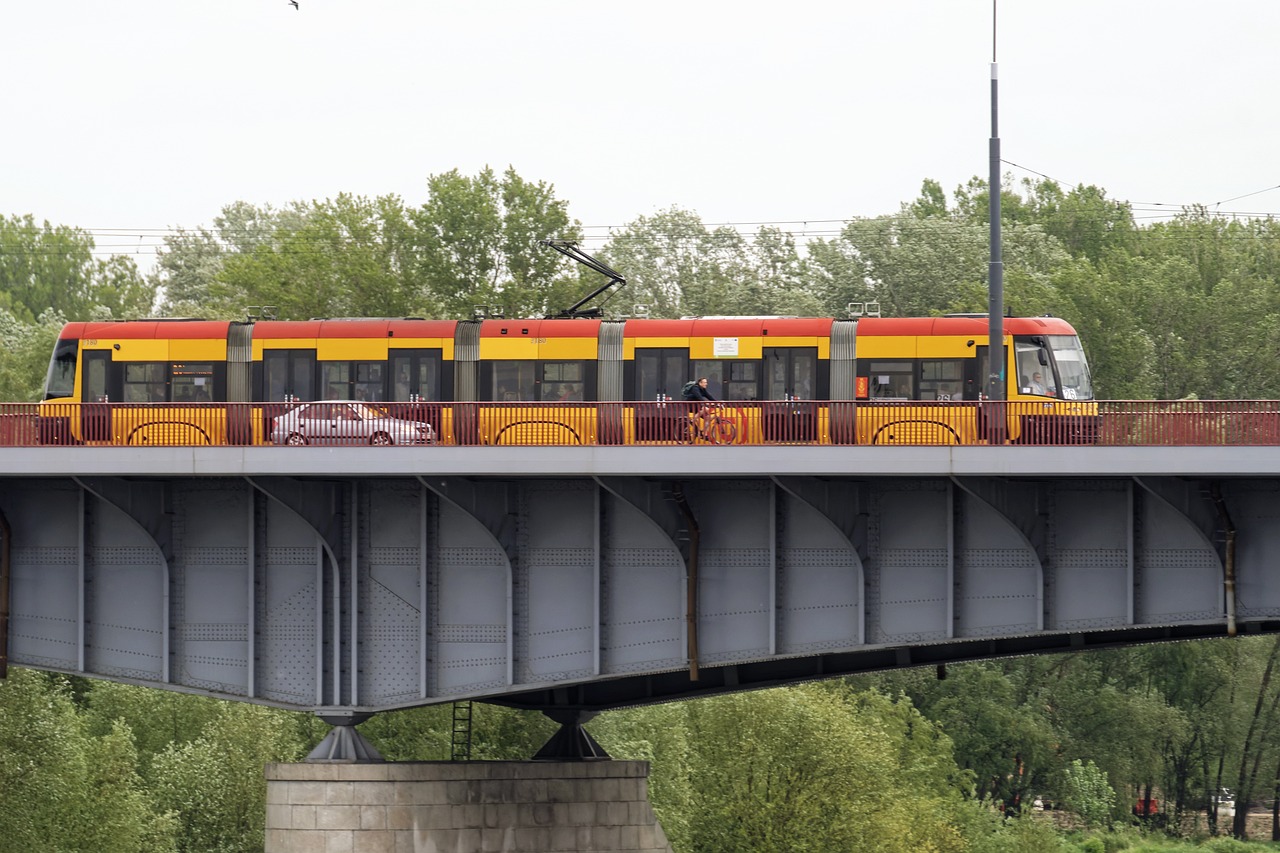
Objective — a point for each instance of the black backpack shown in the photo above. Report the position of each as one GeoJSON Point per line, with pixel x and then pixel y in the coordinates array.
{"type": "Point", "coordinates": [687, 392]}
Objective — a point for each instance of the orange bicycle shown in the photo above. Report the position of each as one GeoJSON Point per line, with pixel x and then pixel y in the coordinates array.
{"type": "Point", "coordinates": [710, 426]}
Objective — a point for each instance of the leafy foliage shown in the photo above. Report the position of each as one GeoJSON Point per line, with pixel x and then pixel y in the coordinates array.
{"type": "Point", "coordinates": [52, 268]}
{"type": "Point", "coordinates": [214, 784]}
{"type": "Point", "coordinates": [65, 790]}
{"type": "Point", "coordinates": [1086, 792]}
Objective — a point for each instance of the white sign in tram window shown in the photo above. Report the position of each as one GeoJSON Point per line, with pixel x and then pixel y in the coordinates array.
{"type": "Point", "coordinates": [725, 347]}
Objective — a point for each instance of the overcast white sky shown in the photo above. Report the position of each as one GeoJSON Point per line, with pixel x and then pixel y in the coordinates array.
{"type": "Point", "coordinates": [154, 114]}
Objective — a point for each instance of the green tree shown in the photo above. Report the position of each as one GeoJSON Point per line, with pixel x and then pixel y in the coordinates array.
{"type": "Point", "coordinates": [67, 791]}
{"type": "Point", "coordinates": [678, 267]}
{"type": "Point", "coordinates": [29, 345]}
{"type": "Point", "coordinates": [214, 784]}
{"type": "Point", "coordinates": [345, 257]}
{"type": "Point", "coordinates": [1084, 220]}
{"type": "Point", "coordinates": [998, 733]}
{"type": "Point", "coordinates": [804, 769]}
{"type": "Point", "coordinates": [476, 243]}
{"type": "Point", "coordinates": [52, 268]}
{"type": "Point", "coordinates": [916, 266]}
{"type": "Point", "coordinates": [1086, 792]}
{"type": "Point", "coordinates": [157, 719]}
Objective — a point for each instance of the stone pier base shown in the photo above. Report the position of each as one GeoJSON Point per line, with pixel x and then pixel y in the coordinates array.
{"type": "Point", "coordinates": [462, 807]}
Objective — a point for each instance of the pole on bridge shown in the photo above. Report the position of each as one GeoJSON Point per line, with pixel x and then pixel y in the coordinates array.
{"type": "Point", "coordinates": [995, 274]}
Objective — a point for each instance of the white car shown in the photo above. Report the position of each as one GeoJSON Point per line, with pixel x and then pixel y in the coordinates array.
{"type": "Point", "coordinates": [347, 422]}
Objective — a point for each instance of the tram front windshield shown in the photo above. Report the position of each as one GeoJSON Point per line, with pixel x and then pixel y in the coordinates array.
{"type": "Point", "coordinates": [1073, 371]}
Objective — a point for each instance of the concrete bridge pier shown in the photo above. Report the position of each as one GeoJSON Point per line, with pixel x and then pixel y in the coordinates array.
{"type": "Point", "coordinates": [354, 806]}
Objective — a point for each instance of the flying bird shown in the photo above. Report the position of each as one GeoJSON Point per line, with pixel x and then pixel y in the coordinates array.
{"type": "Point", "coordinates": [294, 4]}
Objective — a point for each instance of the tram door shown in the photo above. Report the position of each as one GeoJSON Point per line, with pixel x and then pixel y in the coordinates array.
{"type": "Point", "coordinates": [790, 374]}
{"type": "Point", "coordinates": [660, 375]}
{"type": "Point", "coordinates": [95, 419]}
{"type": "Point", "coordinates": [415, 378]}
{"type": "Point", "coordinates": [290, 376]}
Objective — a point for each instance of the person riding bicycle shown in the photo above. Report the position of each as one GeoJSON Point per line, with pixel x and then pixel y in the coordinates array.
{"type": "Point", "coordinates": [696, 392]}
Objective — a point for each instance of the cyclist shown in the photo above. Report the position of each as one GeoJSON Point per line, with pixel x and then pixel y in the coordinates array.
{"type": "Point", "coordinates": [697, 394]}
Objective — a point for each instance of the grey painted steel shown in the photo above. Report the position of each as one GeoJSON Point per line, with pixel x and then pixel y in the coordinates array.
{"type": "Point", "coordinates": [362, 593]}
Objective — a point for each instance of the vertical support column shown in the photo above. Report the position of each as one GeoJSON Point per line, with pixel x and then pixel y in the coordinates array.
{"type": "Point", "coordinates": [353, 571]}
{"type": "Point", "coordinates": [596, 509]}
{"type": "Point", "coordinates": [81, 577]}
{"type": "Point", "coordinates": [1130, 552]}
{"type": "Point", "coordinates": [319, 616]}
{"type": "Point", "coordinates": [251, 610]}
{"type": "Point", "coordinates": [424, 613]}
{"type": "Point", "coordinates": [777, 569]}
{"type": "Point", "coordinates": [951, 560]}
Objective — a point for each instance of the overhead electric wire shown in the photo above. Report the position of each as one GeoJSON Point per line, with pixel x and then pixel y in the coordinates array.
{"type": "Point", "coordinates": [112, 241]}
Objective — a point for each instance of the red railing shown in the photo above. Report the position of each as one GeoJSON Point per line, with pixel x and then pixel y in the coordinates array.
{"type": "Point", "coordinates": [1053, 423]}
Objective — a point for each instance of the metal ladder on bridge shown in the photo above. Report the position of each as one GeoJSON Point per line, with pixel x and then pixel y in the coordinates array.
{"type": "Point", "coordinates": [460, 741]}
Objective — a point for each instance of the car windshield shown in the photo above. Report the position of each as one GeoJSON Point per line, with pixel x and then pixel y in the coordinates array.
{"type": "Point", "coordinates": [1073, 370]}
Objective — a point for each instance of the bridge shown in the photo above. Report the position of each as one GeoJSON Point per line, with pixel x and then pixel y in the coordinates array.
{"type": "Point", "coordinates": [350, 580]}
{"type": "Point", "coordinates": [569, 578]}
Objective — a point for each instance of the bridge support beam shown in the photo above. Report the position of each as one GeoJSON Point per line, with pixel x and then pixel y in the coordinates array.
{"type": "Point", "coordinates": [344, 743]}
{"type": "Point", "coordinates": [467, 807]}
{"type": "Point", "coordinates": [572, 742]}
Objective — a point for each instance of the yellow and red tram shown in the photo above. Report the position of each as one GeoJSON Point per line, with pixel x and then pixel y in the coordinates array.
{"type": "Point", "coordinates": [873, 380]}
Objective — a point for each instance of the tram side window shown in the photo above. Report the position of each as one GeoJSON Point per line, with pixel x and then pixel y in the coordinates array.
{"type": "Point", "coordinates": [369, 381]}
{"type": "Point", "coordinates": [514, 381]}
{"type": "Point", "coordinates": [893, 380]}
{"type": "Point", "coordinates": [192, 383]}
{"type": "Point", "coordinates": [941, 379]}
{"type": "Point", "coordinates": [562, 381]}
{"type": "Point", "coordinates": [145, 383]}
{"type": "Point", "coordinates": [352, 380]}
{"type": "Point", "coordinates": [730, 380]}
{"type": "Point", "coordinates": [335, 378]}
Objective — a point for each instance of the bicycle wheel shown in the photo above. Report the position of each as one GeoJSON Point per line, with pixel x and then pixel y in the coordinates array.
{"type": "Point", "coordinates": [692, 432]}
{"type": "Point", "coordinates": [723, 431]}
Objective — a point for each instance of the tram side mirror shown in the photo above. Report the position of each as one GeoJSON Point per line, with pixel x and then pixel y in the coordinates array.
{"type": "Point", "coordinates": [1044, 358]}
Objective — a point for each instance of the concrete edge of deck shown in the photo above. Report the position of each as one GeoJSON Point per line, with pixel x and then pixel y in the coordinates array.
{"type": "Point", "coordinates": [649, 461]}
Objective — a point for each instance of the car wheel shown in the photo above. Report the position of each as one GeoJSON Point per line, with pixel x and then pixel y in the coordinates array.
{"type": "Point", "coordinates": [296, 439]}
{"type": "Point", "coordinates": [380, 439]}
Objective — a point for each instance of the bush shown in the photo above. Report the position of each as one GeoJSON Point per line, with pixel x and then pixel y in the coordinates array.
{"type": "Point", "coordinates": [1229, 845]}
{"type": "Point", "coordinates": [1087, 793]}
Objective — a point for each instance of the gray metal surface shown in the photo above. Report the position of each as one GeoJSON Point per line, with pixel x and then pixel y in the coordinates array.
{"type": "Point", "coordinates": [365, 592]}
